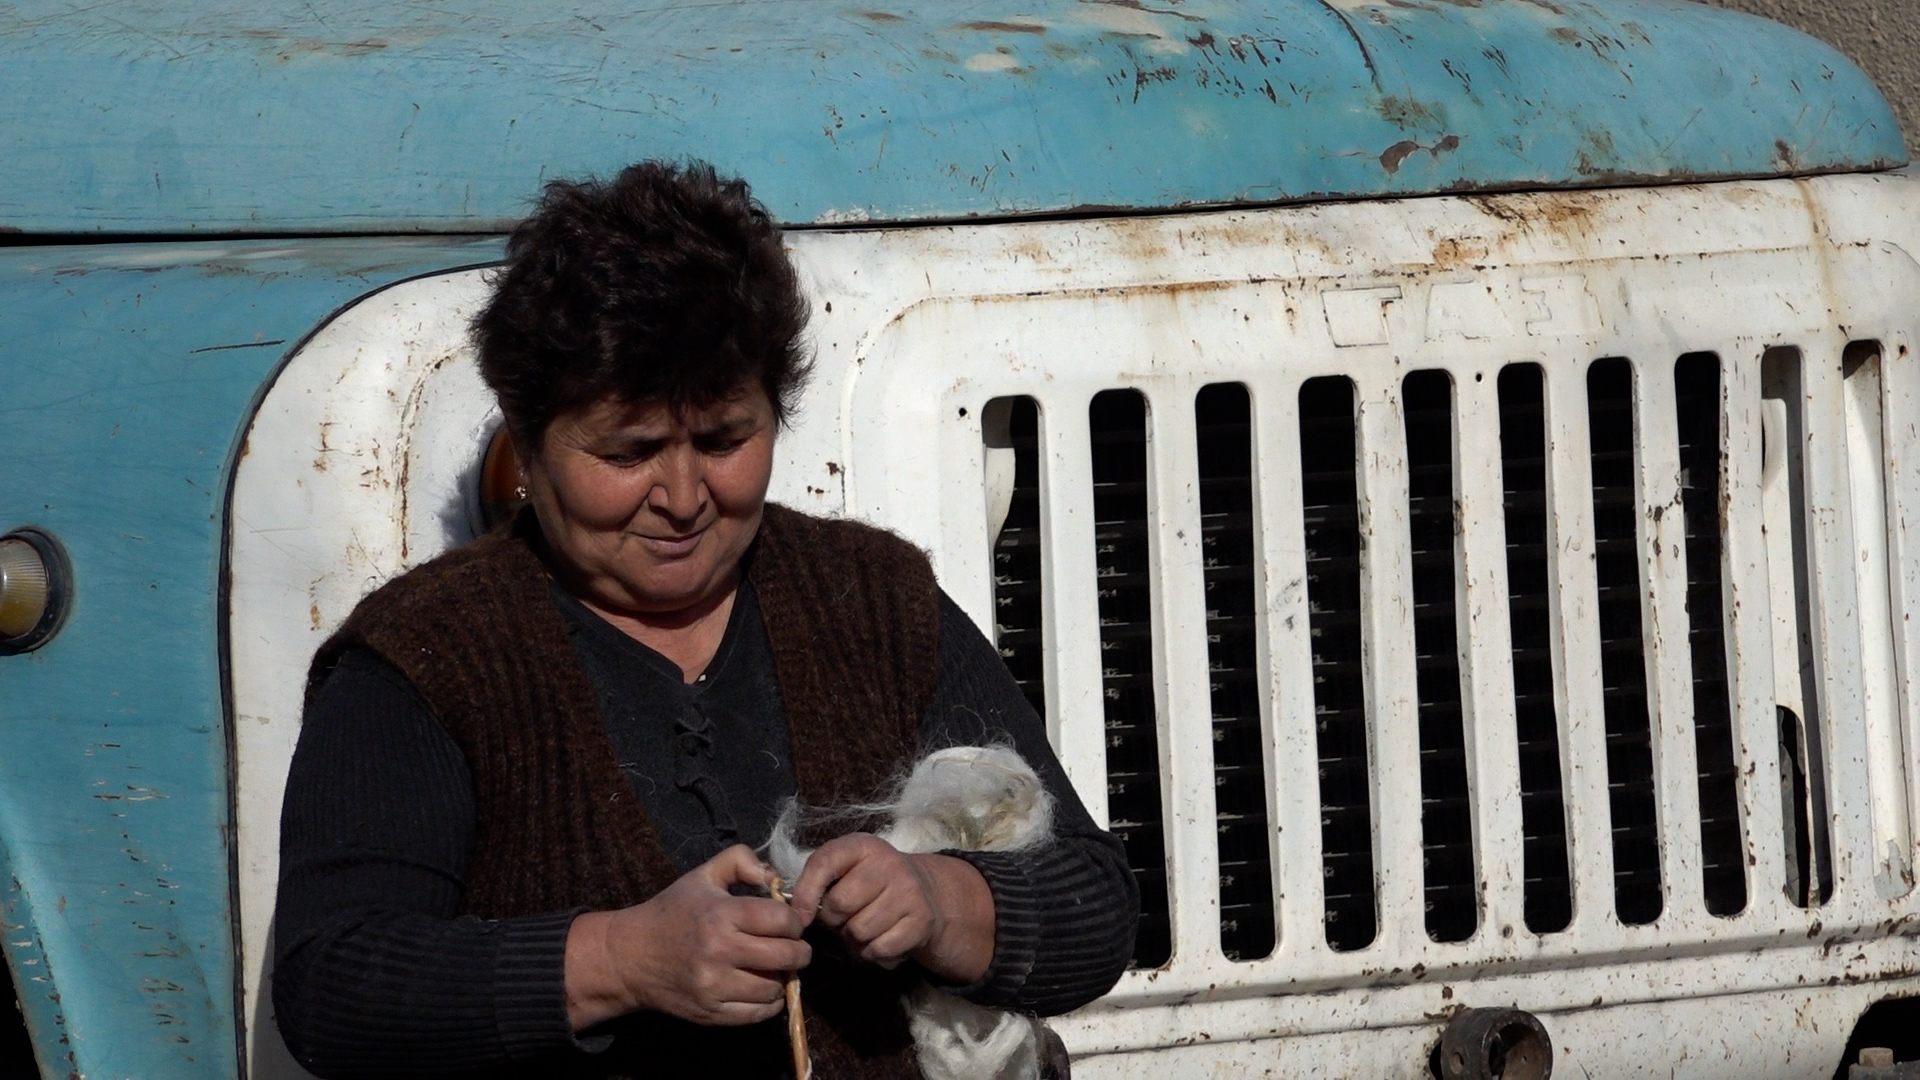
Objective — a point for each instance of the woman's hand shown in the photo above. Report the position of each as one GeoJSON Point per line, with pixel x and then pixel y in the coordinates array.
{"type": "Point", "coordinates": [694, 951]}
{"type": "Point", "coordinates": [935, 909]}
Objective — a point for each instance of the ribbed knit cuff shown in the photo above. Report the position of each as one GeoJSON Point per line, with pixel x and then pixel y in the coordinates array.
{"type": "Point", "coordinates": [1016, 926]}
{"type": "Point", "coordinates": [530, 987]}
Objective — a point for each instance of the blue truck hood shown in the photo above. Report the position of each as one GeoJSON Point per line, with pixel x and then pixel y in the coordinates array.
{"type": "Point", "coordinates": [274, 117]}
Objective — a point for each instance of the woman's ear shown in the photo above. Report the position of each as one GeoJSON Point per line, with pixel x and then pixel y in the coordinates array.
{"type": "Point", "coordinates": [522, 462]}
{"type": "Point", "coordinates": [503, 479]}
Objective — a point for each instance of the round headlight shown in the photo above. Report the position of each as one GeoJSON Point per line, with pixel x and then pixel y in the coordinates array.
{"type": "Point", "coordinates": [36, 589]}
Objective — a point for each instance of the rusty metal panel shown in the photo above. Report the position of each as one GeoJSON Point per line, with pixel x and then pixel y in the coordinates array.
{"type": "Point", "coordinates": [274, 116]}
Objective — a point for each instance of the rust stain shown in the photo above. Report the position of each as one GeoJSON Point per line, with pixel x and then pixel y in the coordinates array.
{"type": "Point", "coordinates": [1567, 213]}
{"type": "Point", "coordinates": [992, 26]}
{"type": "Point", "coordinates": [1452, 252]}
{"type": "Point", "coordinates": [881, 17]}
{"type": "Point", "coordinates": [1392, 156]}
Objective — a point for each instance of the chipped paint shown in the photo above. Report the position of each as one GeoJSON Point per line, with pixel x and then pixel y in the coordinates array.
{"type": "Point", "coordinates": [907, 113]}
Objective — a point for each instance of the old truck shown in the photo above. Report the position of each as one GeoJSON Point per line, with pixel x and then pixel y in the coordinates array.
{"type": "Point", "coordinates": [1444, 469]}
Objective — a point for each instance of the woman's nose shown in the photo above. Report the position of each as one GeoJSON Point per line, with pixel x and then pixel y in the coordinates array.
{"type": "Point", "coordinates": [679, 492]}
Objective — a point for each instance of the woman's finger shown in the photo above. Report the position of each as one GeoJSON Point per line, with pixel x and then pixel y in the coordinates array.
{"type": "Point", "coordinates": [854, 893]}
{"type": "Point", "coordinates": [740, 1014]}
{"type": "Point", "coordinates": [749, 988]}
{"type": "Point", "coordinates": [900, 939]}
{"type": "Point", "coordinates": [766, 918]}
{"type": "Point", "coordinates": [772, 954]}
{"type": "Point", "coordinates": [880, 916]}
{"type": "Point", "coordinates": [835, 859]}
{"type": "Point", "coordinates": [737, 865]}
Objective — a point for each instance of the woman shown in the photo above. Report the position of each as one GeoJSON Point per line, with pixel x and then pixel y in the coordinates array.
{"type": "Point", "coordinates": [518, 828]}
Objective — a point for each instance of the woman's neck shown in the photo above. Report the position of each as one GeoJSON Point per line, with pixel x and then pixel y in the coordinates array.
{"type": "Point", "coordinates": [689, 637]}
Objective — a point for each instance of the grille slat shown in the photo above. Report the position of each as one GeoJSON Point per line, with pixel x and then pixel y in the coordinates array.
{"type": "Point", "coordinates": [1446, 822]}
{"type": "Point", "coordinates": [1696, 379]}
{"type": "Point", "coordinates": [1118, 422]}
{"type": "Point", "coordinates": [1331, 525]}
{"type": "Point", "coordinates": [1018, 558]}
{"type": "Point", "coordinates": [1630, 787]}
{"type": "Point", "coordinates": [1224, 443]}
{"type": "Point", "coordinates": [1546, 885]}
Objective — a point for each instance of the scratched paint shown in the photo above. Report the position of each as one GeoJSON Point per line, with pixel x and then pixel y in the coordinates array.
{"type": "Point", "coordinates": [180, 117]}
{"type": "Point", "coordinates": [128, 374]}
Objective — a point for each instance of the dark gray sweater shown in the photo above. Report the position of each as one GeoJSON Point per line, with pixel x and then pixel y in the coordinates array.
{"type": "Point", "coordinates": [375, 974]}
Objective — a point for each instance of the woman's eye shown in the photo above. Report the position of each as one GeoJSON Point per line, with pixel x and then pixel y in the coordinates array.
{"type": "Point", "coordinates": [629, 456]}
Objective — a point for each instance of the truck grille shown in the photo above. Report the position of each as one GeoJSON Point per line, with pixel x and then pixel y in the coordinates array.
{"type": "Point", "coordinates": [1636, 421]}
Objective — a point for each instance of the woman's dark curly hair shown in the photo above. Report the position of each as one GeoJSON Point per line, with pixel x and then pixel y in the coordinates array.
{"type": "Point", "coordinates": [668, 284]}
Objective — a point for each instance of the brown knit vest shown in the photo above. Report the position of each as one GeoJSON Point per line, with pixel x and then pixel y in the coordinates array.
{"type": "Point", "coordinates": [852, 619]}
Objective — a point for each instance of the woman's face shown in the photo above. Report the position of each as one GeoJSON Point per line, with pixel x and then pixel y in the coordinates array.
{"type": "Point", "coordinates": [649, 511]}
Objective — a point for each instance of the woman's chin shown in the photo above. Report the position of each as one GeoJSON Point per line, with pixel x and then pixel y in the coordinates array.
{"type": "Point", "coordinates": [669, 594]}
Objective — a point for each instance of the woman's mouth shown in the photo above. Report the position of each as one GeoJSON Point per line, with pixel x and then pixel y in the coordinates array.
{"type": "Point", "coordinates": [672, 547]}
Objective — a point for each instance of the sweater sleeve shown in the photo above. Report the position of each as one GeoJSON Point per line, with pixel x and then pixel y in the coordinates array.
{"type": "Point", "coordinates": [375, 973]}
{"type": "Point", "coordinates": [1065, 913]}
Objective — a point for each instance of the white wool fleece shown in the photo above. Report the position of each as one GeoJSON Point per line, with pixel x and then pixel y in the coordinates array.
{"type": "Point", "coordinates": [963, 798]}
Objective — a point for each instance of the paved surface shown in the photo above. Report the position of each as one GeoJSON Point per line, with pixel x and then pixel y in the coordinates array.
{"type": "Point", "coordinates": [1882, 36]}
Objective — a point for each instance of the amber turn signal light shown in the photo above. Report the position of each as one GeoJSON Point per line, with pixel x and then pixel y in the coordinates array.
{"type": "Point", "coordinates": [36, 589]}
